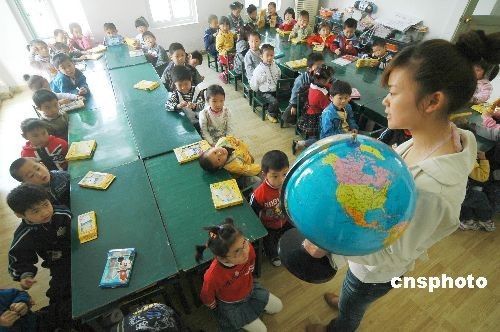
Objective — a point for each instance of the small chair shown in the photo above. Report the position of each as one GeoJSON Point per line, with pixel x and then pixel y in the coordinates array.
{"type": "Point", "coordinates": [283, 93]}
{"type": "Point", "coordinates": [258, 101]}
{"type": "Point", "coordinates": [212, 62]}
{"type": "Point", "coordinates": [287, 72]}
{"type": "Point", "coordinates": [247, 91]}
{"type": "Point", "coordinates": [233, 76]}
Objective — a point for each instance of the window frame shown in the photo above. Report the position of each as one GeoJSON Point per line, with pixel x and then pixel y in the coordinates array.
{"type": "Point", "coordinates": [192, 19]}
{"type": "Point", "coordinates": [278, 4]}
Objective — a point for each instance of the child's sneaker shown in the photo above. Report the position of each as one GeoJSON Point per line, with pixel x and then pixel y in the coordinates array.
{"type": "Point", "coordinates": [276, 261]}
{"type": "Point", "coordinates": [488, 226]}
{"type": "Point", "coordinates": [271, 118]}
{"type": "Point", "coordinates": [469, 225]}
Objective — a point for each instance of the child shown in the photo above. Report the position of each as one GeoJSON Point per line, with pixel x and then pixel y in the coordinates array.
{"type": "Point", "coordinates": [233, 155]}
{"type": "Point", "coordinates": [485, 73]}
{"type": "Point", "coordinates": [186, 97]}
{"type": "Point", "coordinates": [289, 20]}
{"type": "Point", "coordinates": [15, 314]}
{"type": "Point", "coordinates": [265, 80]}
{"type": "Point", "coordinates": [63, 48]}
{"type": "Point", "coordinates": [56, 182]}
{"type": "Point", "coordinates": [69, 79]}
{"type": "Point", "coordinates": [346, 42]}
{"type": "Point", "coordinates": [265, 201]}
{"type": "Point", "coordinates": [210, 35]}
{"type": "Point", "coordinates": [235, 20]}
{"type": "Point", "coordinates": [45, 232]}
{"type": "Point", "coordinates": [490, 127]}
{"type": "Point", "coordinates": [37, 82]}
{"type": "Point", "coordinates": [195, 59]}
{"type": "Point", "coordinates": [314, 61]}
{"type": "Point", "coordinates": [141, 25]}
{"type": "Point", "coordinates": [78, 40]}
{"type": "Point", "coordinates": [379, 52]}
{"type": "Point", "coordinates": [228, 285]}
{"type": "Point", "coordinates": [40, 59]}
{"type": "Point", "coordinates": [338, 117]}
{"type": "Point", "coordinates": [476, 209]}
{"type": "Point", "coordinates": [47, 104]}
{"type": "Point", "coordinates": [252, 58]}
{"type": "Point", "coordinates": [301, 30]}
{"type": "Point", "coordinates": [324, 36]}
{"type": "Point", "coordinates": [155, 54]}
{"type": "Point", "coordinates": [178, 58]}
{"type": "Point", "coordinates": [43, 147]}
{"type": "Point", "coordinates": [112, 38]}
{"type": "Point", "coordinates": [224, 42]}
{"type": "Point", "coordinates": [253, 20]}
{"type": "Point", "coordinates": [242, 47]}
{"type": "Point", "coordinates": [215, 118]}
{"type": "Point", "coordinates": [60, 36]}
{"type": "Point", "coordinates": [272, 18]}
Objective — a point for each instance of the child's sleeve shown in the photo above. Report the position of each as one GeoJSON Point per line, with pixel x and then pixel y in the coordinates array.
{"type": "Point", "coordinates": [21, 296]}
{"type": "Point", "coordinates": [219, 44]}
{"type": "Point", "coordinates": [311, 39]}
{"type": "Point", "coordinates": [257, 79]}
{"type": "Point", "coordinates": [64, 95]}
{"type": "Point", "coordinates": [297, 84]}
{"type": "Point", "coordinates": [483, 92]}
{"type": "Point", "coordinates": [172, 102]}
{"type": "Point", "coordinates": [230, 124]}
{"type": "Point", "coordinates": [203, 121]}
{"type": "Point", "coordinates": [329, 125]}
{"type": "Point", "coordinates": [22, 256]}
{"type": "Point", "coordinates": [86, 42]}
{"type": "Point", "coordinates": [56, 85]}
{"type": "Point", "coordinates": [200, 101]}
{"type": "Point", "coordinates": [335, 44]}
{"type": "Point", "coordinates": [82, 82]}
{"type": "Point", "coordinates": [208, 39]}
{"type": "Point", "coordinates": [350, 119]}
{"type": "Point", "coordinates": [162, 56]}
{"type": "Point", "coordinates": [255, 204]}
{"type": "Point", "coordinates": [208, 291]}
{"type": "Point", "coordinates": [481, 171]}
{"type": "Point", "coordinates": [238, 167]}
{"type": "Point", "coordinates": [294, 30]}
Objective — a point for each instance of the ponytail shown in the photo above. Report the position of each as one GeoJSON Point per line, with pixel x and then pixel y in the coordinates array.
{"type": "Point", "coordinates": [220, 239]}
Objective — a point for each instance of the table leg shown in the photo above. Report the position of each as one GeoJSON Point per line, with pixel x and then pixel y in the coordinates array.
{"type": "Point", "coordinates": [258, 258]}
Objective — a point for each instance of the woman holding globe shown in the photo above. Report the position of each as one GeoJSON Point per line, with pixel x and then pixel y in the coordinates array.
{"type": "Point", "coordinates": [427, 82]}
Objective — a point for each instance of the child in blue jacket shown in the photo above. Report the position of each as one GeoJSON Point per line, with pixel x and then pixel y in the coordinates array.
{"type": "Point", "coordinates": [68, 79]}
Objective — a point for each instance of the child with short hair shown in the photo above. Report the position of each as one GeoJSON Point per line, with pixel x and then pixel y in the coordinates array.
{"type": "Point", "coordinates": [490, 126]}
{"type": "Point", "coordinates": [112, 38]}
{"type": "Point", "coordinates": [43, 147]}
{"type": "Point", "coordinates": [235, 19]}
{"type": "Point", "coordinates": [215, 119]}
{"type": "Point", "coordinates": [155, 53]}
{"type": "Point", "coordinates": [242, 47]}
{"type": "Point", "coordinates": [186, 97]}
{"type": "Point", "coordinates": [178, 57]}
{"type": "Point", "coordinates": [301, 30]}
{"type": "Point", "coordinates": [338, 117]}
{"type": "Point", "coordinates": [273, 20]}
{"type": "Point", "coordinates": [141, 25]}
{"type": "Point", "coordinates": [224, 42]}
{"type": "Point", "coordinates": [45, 232]}
{"type": "Point", "coordinates": [379, 52]}
{"type": "Point", "coordinates": [485, 73]}
{"type": "Point", "coordinates": [347, 42]}
{"type": "Point", "coordinates": [253, 20]}
{"type": "Point", "coordinates": [60, 36]}
{"type": "Point", "coordinates": [40, 59]}
{"type": "Point", "coordinates": [69, 79]}
{"type": "Point", "coordinates": [56, 182]}
{"type": "Point", "coordinates": [252, 58]}
{"type": "Point", "coordinates": [195, 59]}
{"type": "Point", "coordinates": [15, 313]}
{"type": "Point", "coordinates": [210, 35]}
{"type": "Point", "coordinates": [64, 48]}
{"type": "Point", "coordinates": [47, 104]}
{"type": "Point", "coordinates": [324, 36]}
{"type": "Point", "coordinates": [265, 201]}
{"type": "Point", "coordinates": [37, 82]}
{"type": "Point", "coordinates": [265, 81]}
{"type": "Point", "coordinates": [288, 20]}
{"type": "Point", "coordinates": [78, 40]}
{"type": "Point", "coordinates": [228, 285]}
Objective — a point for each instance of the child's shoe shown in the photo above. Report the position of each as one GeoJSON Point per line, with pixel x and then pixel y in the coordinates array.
{"type": "Point", "coordinates": [276, 261]}
{"type": "Point", "coordinates": [488, 226]}
{"type": "Point", "coordinates": [469, 225]}
{"type": "Point", "coordinates": [271, 118]}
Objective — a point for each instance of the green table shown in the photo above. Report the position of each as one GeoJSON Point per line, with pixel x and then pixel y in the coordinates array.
{"type": "Point", "coordinates": [118, 57]}
{"type": "Point", "coordinates": [185, 202]}
{"type": "Point", "coordinates": [127, 217]}
{"type": "Point", "coordinates": [156, 131]}
{"type": "Point", "coordinates": [101, 92]}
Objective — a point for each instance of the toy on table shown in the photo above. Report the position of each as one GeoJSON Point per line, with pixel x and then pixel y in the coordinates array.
{"type": "Point", "coordinates": [146, 85]}
{"type": "Point", "coordinates": [190, 152]}
{"type": "Point", "coordinates": [226, 194]}
{"type": "Point", "coordinates": [96, 180]}
{"type": "Point", "coordinates": [72, 105]}
{"type": "Point", "coordinates": [81, 150]}
{"type": "Point", "coordinates": [118, 268]}
{"type": "Point", "coordinates": [87, 227]}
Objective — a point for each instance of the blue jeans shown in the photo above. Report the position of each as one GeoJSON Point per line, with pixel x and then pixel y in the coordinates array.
{"type": "Point", "coordinates": [355, 298]}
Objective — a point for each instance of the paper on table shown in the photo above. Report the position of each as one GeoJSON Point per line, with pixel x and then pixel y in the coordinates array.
{"type": "Point", "coordinates": [398, 21]}
{"type": "Point", "coordinates": [341, 61]}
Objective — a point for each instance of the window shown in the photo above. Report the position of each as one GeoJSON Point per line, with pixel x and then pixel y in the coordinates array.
{"type": "Point", "coordinates": [167, 13]}
{"type": "Point", "coordinates": [262, 3]}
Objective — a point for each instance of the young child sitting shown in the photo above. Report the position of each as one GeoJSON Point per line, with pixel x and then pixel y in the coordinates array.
{"type": "Point", "coordinates": [253, 20]}
{"type": "Point", "coordinates": [235, 20]}
{"type": "Point", "coordinates": [233, 155]}
{"type": "Point", "coordinates": [141, 25]}
{"type": "Point", "coordinates": [265, 80]}
{"type": "Point", "coordinates": [15, 314]}
{"type": "Point", "coordinates": [228, 285]}
{"type": "Point", "coordinates": [195, 59]}
{"type": "Point", "coordinates": [47, 104]}
{"type": "Point", "coordinates": [78, 40]}
{"type": "Point", "coordinates": [155, 54]}
{"type": "Point", "coordinates": [69, 79]}
{"type": "Point", "coordinates": [215, 118]}
{"type": "Point", "coordinates": [252, 58]}
{"type": "Point", "coordinates": [41, 146]}
{"type": "Point", "coordinates": [45, 232]}
{"type": "Point", "coordinates": [347, 41]}
{"type": "Point", "coordinates": [210, 35]}
{"type": "Point", "coordinates": [64, 48]}
{"type": "Point", "coordinates": [40, 59]}
{"type": "Point", "coordinates": [324, 36]}
{"type": "Point", "coordinates": [186, 97]}
{"type": "Point", "coordinates": [272, 18]}
{"type": "Point", "coordinates": [37, 82]}
{"type": "Point", "coordinates": [242, 47]}
{"type": "Point", "coordinates": [112, 38]}
{"type": "Point", "coordinates": [224, 42]}
{"type": "Point", "coordinates": [301, 30]}
{"type": "Point", "coordinates": [485, 73]}
{"type": "Point", "coordinates": [289, 20]}
{"type": "Point", "coordinates": [490, 127]}
{"type": "Point", "coordinates": [314, 61]}
{"type": "Point", "coordinates": [265, 201]}
{"type": "Point", "coordinates": [56, 182]}
{"type": "Point", "coordinates": [178, 57]}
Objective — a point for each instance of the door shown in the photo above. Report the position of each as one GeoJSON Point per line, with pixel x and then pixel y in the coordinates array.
{"type": "Point", "coordinates": [479, 15]}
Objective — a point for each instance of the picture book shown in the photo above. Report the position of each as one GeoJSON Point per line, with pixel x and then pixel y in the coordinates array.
{"type": "Point", "coordinates": [225, 194]}
{"type": "Point", "coordinates": [130, 41]}
{"type": "Point", "coordinates": [146, 85]}
{"type": "Point", "coordinates": [283, 33]}
{"type": "Point", "coordinates": [97, 180]}
{"type": "Point", "coordinates": [318, 48]}
{"type": "Point", "coordinates": [81, 150]}
{"type": "Point", "coordinates": [87, 227]}
{"type": "Point", "coordinates": [355, 94]}
{"type": "Point", "coordinates": [366, 63]}
{"type": "Point", "coordinates": [72, 105]}
{"type": "Point", "coordinates": [191, 152]}
{"type": "Point", "coordinates": [98, 49]}
{"type": "Point", "coordinates": [294, 64]}
{"type": "Point", "coordinates": [296, 41]}
{"type": "Point", "coordinates": [135, 53]}
{"type": "Point", "coordinates": [93, 56]}
{"type": "Point", "coordinates": [118, 268]}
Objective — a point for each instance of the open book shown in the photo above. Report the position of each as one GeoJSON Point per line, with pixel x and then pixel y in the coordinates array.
{"type": "Point", "coordinates": [81, 150]}
{"type": "Point", "coordinates": [146, 85]}
{"type": "Point", "coordinates": [191, 151]}
{"type": "Point", "coordinates": [97, 180]}
{"type": "Point", "coordinates": [225, 194]}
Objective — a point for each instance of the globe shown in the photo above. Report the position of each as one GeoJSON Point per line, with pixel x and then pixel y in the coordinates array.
{"type": "Point", "coordinates": [350, 195]}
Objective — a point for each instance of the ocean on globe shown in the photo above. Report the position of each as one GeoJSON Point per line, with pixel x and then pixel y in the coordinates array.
{"type": "Point", "coordinates": [350, 195]}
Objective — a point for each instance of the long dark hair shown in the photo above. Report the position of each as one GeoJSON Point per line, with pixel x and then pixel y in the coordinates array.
{"type": "Point", "coordinates": [220, 239]}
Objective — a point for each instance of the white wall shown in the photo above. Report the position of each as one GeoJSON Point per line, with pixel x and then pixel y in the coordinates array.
{"type": "Point", "coordinates": [124, 12]}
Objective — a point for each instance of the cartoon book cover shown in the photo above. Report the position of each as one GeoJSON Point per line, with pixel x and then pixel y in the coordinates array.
{"type": "Point", "coordinates": [146, 85]}
{"type": "Point", "coordinates": [81, 150]}
{"type": "Point", "coordinates": [87, 227]}
{"type": "Point", "coordinates": [118, 268]}
{"type": "Point", "coordinates": [97, 180]}
{"type": "Point", "coordinates": [191, 151]}
{"type": "Point", "coordinates": [73, 105]}
{"type": "Point", "coordinates": [225, 194]}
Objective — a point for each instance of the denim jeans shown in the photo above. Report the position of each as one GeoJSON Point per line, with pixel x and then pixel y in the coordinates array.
{"type": "Point", "coordinates": [355, 298]}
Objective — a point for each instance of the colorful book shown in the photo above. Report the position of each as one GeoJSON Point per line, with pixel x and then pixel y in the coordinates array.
{"type": "Point", "coordinates": [87, 227]}
{"type": "Point", "coordinates": [318, 48]}
{"type": "Point", "coordinates": [283, 33]}
{"type": "Point", "coordinates": [81, 150]}
{"type": "Point", "coordinates": [135, 53]}
{"type": "Point", "coordinates": [130, 41]}
{"type": "Point", "coordinates": [93, 56]}
{"type": "Point", "coordinates": [225, 194]}
{"type": "Point", "coordinates": [355, 94]}
{"type": "Point", "coordinates": [72, 105]}
{"type": "Point", "coordinates": [294, 64]}
{"type": "Point", "coordinates": [481, 108]}
{"type": "Point", "coordinates": [191, 151]}
{"type": "Point", "coordinates": [366, 63]}
{"type": "Point", "coordinates": [296, 41]}
{"type": "Point", "coordinates": [146, 85]}
{"type": "Point", "coordinates": [98, 49]}
{"type": "Point", "coordinates": [118, 268]}
{"type": "Point", "coordinates": [96, 180]}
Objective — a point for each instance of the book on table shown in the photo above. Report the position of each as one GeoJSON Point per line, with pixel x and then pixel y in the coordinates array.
{"type": "Point", "coordinates": [318, 48]}
{"type": "Point", "coordinates": [93, 56]}
{"type": "Point", "coordinates": [226, 194]}
{"type": "Point", "coordinates": [81, 150]}
{"type": "Point", "coordinates": [98, 49]}
{"type": "Point", "coordinates": [96, 180]}
{"type": "Point", "coordinates": [87, 227]}
{"type": "Point", "coordinates": [118, 269]}
{"type": "Point", "coordinates": [146, 85]}
{"type": "Point", "coordinates": [294, 64]}
{"type": "Point", "coordinates": [134, 53]}
{"type": "Point", "coordinates": [72, 105]}
{"type": "Point", "coordinates": [191, 151]}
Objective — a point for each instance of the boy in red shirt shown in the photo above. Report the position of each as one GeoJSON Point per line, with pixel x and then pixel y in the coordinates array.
{"type": "Point", "coordinates": [41, 146]}
{"type": "Point", "coordinates": [265, 201]}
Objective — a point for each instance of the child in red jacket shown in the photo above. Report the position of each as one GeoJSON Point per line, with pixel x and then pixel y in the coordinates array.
{"type": "Point", "coordinates": [346, 42]}
{"type": "Point", "coordinates": [323, 37]}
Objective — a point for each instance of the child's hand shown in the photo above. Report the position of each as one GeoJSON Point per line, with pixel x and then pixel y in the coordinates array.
{"type": "Point", "coordinates": [83, 91]}
{"type": "Point", "coordinates": [375, 64]}
{"type": "Point", "coordinates": [481, 155]}
{"type": "Point", "coordinates": [182, 105]}
{"type": "Point", "coordinates": [337, 51]}
{"type": "Point", "coordinates": [348, 46]}
{"type": "Point", "coordinates": [80, 98]}
{"type": "Point", "coordinates": [64, 101]}
{"type": "Point", "coordinates": [313, 250]}
{"type": "Point", "coordinates": [191, 105]}
{"type": "Point", "coordinates": [293, 110]}
{"type": "Point", "coordinates": [27, 282]}
{"type": "Point", "coordinates": [8, 318]}
{"type": "Point", "coordinates": [21, 308]}
{"type": "Point", "coordinates": [354, 131]}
